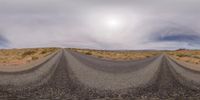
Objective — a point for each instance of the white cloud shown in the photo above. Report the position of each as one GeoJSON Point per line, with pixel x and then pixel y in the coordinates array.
{"type": "Point", "coordinates": [77, 23]}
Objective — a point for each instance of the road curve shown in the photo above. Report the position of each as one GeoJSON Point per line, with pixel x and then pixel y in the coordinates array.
{"type": "Point", "coordinates": [111, 66]}
{"type": "Point", "coordinates": [36, 74]}
{"type": "Point", "coordinates": [74, 78]}
{"type": "Point", "coordinates": [95, 78]}
{"type": "Point", "coordinates": [184, 74]}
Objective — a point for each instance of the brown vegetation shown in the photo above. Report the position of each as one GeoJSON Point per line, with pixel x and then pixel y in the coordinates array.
{"type": "Point", "coordinates": [23, 56]}
{"type": "Point", "coordinates": [118, 55]}
{"type": "Point", "coordinates": [190, 56]}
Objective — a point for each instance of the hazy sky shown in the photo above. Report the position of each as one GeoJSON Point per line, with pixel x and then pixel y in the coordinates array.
{"type": "Point", "coordinates": [100, 24]}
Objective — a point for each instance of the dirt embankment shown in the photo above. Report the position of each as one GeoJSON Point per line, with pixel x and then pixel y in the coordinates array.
{"type": "Point", "coordinates": [190, 56]}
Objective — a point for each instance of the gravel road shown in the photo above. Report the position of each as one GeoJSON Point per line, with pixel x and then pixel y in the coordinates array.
{"type": "Point", "coordinates": [159, 81]}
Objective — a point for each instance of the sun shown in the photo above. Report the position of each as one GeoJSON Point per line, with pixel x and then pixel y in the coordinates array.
{"type": "Point", "coordinates": [112, 22]}
{"type": "Point", "coordinates": [107, 24]}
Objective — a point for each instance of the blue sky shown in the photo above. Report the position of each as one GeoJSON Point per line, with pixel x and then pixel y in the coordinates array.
{"type": "Point", "coordinates": [100, 24]}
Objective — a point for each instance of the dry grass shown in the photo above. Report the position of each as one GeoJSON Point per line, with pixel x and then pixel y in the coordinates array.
{"type": "Point", "coordinates": [118, 55]}
{"type": "Point", "coordinates": [23, 56]}
{"type": "Point", "coordinates": [190, 56]}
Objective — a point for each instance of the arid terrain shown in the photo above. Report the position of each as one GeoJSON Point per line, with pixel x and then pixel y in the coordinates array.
{"type": "Point", "coordinates": [118, 55]}
{"type": "Point", "coordinates": [143, 75]}
{"type": "Point", "coordinates": [23, 56]}
{"type": "Point", "coordinates": [190, 56]}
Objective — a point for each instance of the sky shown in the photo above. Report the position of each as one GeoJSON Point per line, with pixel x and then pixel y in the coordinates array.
{"type": "Point", "coordinates": [100, 24]}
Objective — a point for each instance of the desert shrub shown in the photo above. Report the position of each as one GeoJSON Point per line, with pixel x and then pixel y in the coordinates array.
{"type": "Point", "coordinates": [197, 57]}
{"type": "Point", "coordinates": [183, 55]}
{"type": "Point", "coordinates": [4, 61]}
{"type": "Point", "coordinates": [88, 53]}
{"type": "Point", "coordinates": [187, 61]}
{"type": "Point", "coordinates": [44, 52]}
{"type": "Point", "coordinates": [51, 49]}
{"type": "Point", "coordinates": [26, 53]}
{"type": "Point", "coordinates": [35, 58]}
{"type": "Point", "coordinates": [99, 56]}
{"type": "Point", "coordinates": [148, 56]}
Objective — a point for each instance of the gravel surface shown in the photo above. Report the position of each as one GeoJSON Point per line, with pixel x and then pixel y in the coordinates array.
{"type": "Point", "coordinates": [112, 66]}
{"type": "Point", "coordinates": [63, 85]}
{"type": "Point", "coordinates": [115, 80]}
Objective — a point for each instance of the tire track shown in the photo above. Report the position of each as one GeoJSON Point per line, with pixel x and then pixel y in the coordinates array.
{"type": "Point", "coordinates": [57, 87]}
{"type": "Point", "coordinates": [187, 76]}
{"type": "Point", "coordinates": [112, 66]}
{"type": "Point", "coordinates": [64, 85]}
{"type": "Point", "coordinates": [169, 87]}
{"type": "Point", "coordinates": [112, 81]}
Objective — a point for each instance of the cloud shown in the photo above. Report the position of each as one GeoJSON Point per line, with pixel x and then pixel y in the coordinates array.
{"type": "Point", "coordinates": [180, 38]}
{"type": "Point", "coordinates": [3, 42]}
{"type": "Point", "coordinates": [151, 24]}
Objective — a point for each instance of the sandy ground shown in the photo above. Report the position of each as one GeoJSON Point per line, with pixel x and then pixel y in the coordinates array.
{"type": "Point", "coordinates": [13, 57]}
{"type": "Point", "coordinates": [118, 55]}
{"type": "Point", "coordinates": [189, 56]}
{"type": "Point", "coordinates": [65, 85]}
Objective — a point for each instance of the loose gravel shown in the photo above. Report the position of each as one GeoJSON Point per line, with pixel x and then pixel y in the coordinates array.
{"type": "Point", "coordinates": [63, 85]}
